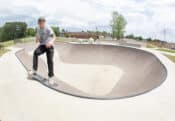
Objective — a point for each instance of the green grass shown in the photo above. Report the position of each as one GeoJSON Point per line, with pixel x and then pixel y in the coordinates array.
{"type": "Point", "coordinates": [166, 50]}
{"type": "Point", "coordinates": [13, 42]}
{"type": "Point", "coordinates": [172, 58]}
{"type": "Point", "coordinates": [3, 51]}
{"type": "Point", "coordinates": [7, 43]}
{"type": "Point", "coordinates": [4, 45]}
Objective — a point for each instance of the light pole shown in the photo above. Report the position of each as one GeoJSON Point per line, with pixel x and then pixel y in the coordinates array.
{"type": "Point", "coordinates": [164, 34]}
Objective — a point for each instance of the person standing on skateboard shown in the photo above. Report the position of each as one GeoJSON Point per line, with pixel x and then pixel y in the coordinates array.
{"type": "Point", "coordinates": [46, 37]}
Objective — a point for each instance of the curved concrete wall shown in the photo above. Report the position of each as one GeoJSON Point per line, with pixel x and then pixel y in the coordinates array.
{"type": "Point", "coordinates": [119, 72]}
{"type": "Point", "coordinates": [142, 71]}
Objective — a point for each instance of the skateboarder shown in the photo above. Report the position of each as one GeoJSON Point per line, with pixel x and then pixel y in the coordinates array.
{"type": "Point", "coordinates": [46, 37]}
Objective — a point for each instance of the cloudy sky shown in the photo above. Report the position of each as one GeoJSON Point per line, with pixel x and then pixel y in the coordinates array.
{"type": "Point", "coordinates": [148, 18]}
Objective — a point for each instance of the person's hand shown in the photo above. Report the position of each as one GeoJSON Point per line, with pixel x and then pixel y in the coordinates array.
{"type": "Point", "coordinates": [48, 45]}
{"type": "Point", "coordinates": [37, 39]}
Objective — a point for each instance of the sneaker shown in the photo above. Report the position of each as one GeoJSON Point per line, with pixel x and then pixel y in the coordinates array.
{"type": "Point", "coordinates": [51, 81]}
{"type": "Point", "coordinates": [32, 72]}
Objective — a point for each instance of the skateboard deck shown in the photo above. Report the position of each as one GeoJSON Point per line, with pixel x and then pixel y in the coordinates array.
{"type": "Point", "coordinates": [41, 79]}
{"type": "Point", "coordinates": [37, 77]}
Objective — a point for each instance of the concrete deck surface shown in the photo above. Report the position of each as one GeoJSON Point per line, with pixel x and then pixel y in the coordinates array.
{"type": "Point", "coordinates": [26, 100]}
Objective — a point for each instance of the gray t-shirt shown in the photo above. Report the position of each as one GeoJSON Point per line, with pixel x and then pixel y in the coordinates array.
{"type": "Point", "coordinates": [45, 35]}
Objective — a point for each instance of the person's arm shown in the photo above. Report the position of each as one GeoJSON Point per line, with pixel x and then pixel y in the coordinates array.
{"type": "Point", "coordinates": [37, 37]}
{"type": "Point", "coordinates": [51, 38]}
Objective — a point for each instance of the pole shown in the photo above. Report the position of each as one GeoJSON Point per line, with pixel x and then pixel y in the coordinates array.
{"type": "Point", "coordinates": [164, 34]}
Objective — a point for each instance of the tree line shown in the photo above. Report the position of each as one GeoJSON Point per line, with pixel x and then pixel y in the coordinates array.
{"type": "Point", "coordinates": [16, 30]}
{"type": "Point", "coordinates": [12, 30]}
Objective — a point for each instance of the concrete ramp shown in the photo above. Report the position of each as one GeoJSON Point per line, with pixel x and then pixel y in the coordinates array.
{"type": "Point", "coordinates": [101, 71]}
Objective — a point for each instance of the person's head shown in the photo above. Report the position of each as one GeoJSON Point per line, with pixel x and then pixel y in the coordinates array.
{"type": "Point", "coordinates": [41, 22]}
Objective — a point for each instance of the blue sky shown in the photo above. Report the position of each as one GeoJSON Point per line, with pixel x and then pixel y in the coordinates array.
{"type": "Point", "coordinates": [145, 17]}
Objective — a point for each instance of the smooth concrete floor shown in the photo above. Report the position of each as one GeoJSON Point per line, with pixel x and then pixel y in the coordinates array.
{"type": "Point", "coordinates": [100, 80]}
{"type": "Point", "coordinates": [92, 79]}
{"type": "Point", "coordinates": [26, 100]}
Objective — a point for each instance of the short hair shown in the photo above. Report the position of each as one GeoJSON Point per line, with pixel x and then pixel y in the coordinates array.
{"type": "Point", "coordinates": [41, 19]}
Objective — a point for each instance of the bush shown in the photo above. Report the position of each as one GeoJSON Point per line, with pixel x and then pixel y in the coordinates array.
{"type": "Point", "coordinates": [13, 30]}
{"type": "Point", "coordinates": [31, 32]}
{"type": "Point", "coordinates": [149, 39]}
{"type": "Point", "coordinates": [56, 31]}
{"type": "Point", "coordinates": [131, 36]}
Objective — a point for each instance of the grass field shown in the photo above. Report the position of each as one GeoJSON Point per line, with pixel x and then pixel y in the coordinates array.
{"type": "Point", "coordinates": [3, 51]}
{"type": "Point", "coordinates": [172, 58]}
{"type": "Point", "coordinates": [4, 45]}
{"type": "Point", "coordinates": [13, 42]}
{"type": "Point", "coordinates": [166, 50]}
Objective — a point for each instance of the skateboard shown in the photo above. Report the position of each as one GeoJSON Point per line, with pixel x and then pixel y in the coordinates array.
{"type": "Point", "coordinates": [37, 77]}
{"type": "Point", "coordinates": [41, 79]}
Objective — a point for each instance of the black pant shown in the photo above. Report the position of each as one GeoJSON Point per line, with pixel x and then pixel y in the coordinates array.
{"type": "Point", "coordinates": [50, 53]}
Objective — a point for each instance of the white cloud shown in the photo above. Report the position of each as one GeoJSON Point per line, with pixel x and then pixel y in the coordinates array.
{"type": "Point", "coordinates": [145, 17]}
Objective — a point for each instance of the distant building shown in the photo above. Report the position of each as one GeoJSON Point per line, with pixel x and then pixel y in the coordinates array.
{"type": "Point", "coordinates": [82, 35]}
{"type": "Point", "coordinates": [163, 44]}
{"type": "Point", "coordinates": [170, 45]}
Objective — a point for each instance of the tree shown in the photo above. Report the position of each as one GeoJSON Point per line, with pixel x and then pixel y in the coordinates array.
{"type": "Point", "coordinates": [118, 25]}
{"type": "Point", "coordinates": [149, 39]}
{"type": "Point", "coordinates": [13, 30]}
{"type": "Point", "coordinates": [56, 30]}
{"type": "Point", "coordinates": [131, 36]}
{"type": "Point", "coordinates": [31, 32]}
{"type": "Point", "coordinates": [63, 31]}
{"type": "Point", "coordinates": [139, 38]}
{"type": "Point", "coordinates": [0, 32]}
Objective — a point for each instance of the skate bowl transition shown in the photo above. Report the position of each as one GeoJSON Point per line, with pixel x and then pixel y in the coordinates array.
{"type": "Point", "coordinates": [99, 71]}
